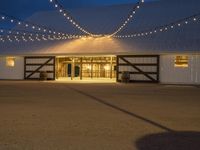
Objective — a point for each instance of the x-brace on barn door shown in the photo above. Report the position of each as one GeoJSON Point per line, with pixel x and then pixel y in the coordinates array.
{"type": "Point", "coordinates": [142, 68]}
{"type": "Point", "coordinates": [34, 65]}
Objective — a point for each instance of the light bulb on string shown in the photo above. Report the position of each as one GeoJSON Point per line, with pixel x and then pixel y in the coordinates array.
{"type": "Point", "coordinates": [69, 18]}
{"type": "Point", "coordinates": [26, 24]}
{"type": "Point", "coordinates": [128, 19]}
{"type": "Point", "coordinates": [166, 28]}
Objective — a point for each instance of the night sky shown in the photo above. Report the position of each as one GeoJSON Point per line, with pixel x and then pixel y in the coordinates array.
{"type": "Point", "coordinates": [25, 8]}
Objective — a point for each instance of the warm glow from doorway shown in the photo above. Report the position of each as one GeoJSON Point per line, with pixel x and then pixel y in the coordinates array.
{"type": "Point", "coordinates": [107, 67]}
{"type": "Point", "coordinates": [86, 45]}
{"type": "Point", "coordinates": [10, 61]}
{"type": "Point", "coordinates": [181, 61]}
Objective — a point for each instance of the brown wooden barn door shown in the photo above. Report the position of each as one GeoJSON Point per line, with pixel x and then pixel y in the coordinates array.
{"type": "Point", "coordinates": [34, 65]}
{"type": "Point", "coordinates": [142, 68]}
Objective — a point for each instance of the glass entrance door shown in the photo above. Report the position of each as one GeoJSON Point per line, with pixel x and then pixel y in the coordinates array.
{"type": "Point", "coordinates": [86, 67]}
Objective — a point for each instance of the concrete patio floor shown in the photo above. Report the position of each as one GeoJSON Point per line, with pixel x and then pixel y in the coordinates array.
{"type": "Point", "coordinates": [112, 116]}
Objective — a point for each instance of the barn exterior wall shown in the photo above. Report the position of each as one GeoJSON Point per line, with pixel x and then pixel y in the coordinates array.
{"type": "Point", "coordinates": [173, 75]}
{"type": "Point", "coordinates": [12, 73]}
{"type": "Point", "coordinates": [168, 73]}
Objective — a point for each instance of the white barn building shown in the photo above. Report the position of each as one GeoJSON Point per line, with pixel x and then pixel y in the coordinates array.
{"type": "Point", "coordinates": [171, 57]}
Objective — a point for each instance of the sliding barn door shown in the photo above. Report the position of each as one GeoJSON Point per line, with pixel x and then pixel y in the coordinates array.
{"type": "Point", "coordinates": [142, 68]}
{"type": "Point", "coordinates": [34, 65]}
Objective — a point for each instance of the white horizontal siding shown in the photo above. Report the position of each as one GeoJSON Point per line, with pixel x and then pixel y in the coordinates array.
{"type": "Point", "coordinates": [170, 74]}
{"type": "Point", "coordinates": [12, 73]}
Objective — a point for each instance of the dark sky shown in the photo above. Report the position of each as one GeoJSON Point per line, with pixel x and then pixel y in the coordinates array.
{"type": "Point", "coordinates": [25, 8]}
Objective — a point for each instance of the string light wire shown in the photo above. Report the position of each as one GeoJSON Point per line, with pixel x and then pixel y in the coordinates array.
{"type": "Point", "coordinates": [69, 18]}
{"type": "Point", "coordinates": [129, 18]}
{"type": "Point", "coordinates": [51, 34]}
{"type": "Point", "coordinates": [28, 24]}
{"type": "Point", "coordinates": [164, 28]}
{"type": "Point", "coordinates": [36, 37]}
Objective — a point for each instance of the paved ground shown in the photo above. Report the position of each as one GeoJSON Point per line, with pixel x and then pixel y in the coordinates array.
{"type": "Point", "coordinates": [65, 116]}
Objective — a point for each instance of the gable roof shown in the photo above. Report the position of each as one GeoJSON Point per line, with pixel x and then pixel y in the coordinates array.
{"type": "Point", "coordinates": [104, 20]}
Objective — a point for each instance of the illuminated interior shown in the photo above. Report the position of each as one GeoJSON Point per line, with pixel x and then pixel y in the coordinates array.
{"type": "Point", "coordinates": [182, 61]}
{"type": "Point", "coordinates": [93, 67]}
{"type": "Point", "coordinates": [10, 61]}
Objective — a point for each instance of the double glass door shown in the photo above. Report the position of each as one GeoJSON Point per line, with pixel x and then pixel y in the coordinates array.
{"type": "Point", "coordinates": [86, 67]}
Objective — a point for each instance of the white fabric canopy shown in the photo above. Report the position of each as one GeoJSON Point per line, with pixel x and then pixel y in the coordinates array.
{"type": "Point", "coordinates": [104, 20]}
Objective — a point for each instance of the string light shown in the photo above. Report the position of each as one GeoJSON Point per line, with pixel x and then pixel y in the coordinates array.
{"type": "Point", "coordinates": [18, 32]}
{"type": "Point", "coordinates": [24, 39]}
{"type": "Point", "coordinates": [58, 6]}
{"type": "Point", "coordinates": [51, 34]}
{"type": "Point", "coordinates": [26, 24]}
{"type": "Point", "coordinates": [66, 14]}
{"type": "Point", "coordinates": [11, 31]}
{"type": "Point", "coordinates": [35, 37]}
{"type": "Point", "coordinates": [128, 19]}
{"type": "Point", "coordinates": [69, 18]}
{"type": "Point", "coordinates": [27, 33]}
{"type": "Point", "coordinates": [167, 27]}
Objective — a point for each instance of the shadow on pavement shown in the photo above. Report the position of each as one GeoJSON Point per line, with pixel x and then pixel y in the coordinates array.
{"type": "Point", "coordinates": [123, 110]}
{"type": "Point", "coordinates": [170, 141]}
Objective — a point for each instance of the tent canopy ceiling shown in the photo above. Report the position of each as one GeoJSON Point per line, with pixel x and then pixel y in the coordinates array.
{"type": "Point", "coordinates": [104, 20]}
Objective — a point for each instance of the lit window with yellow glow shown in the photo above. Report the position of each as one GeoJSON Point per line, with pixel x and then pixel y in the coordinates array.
{"type": "Point", "coordinates": [181, 61]}
{"type": "Point", "coordinates": [10, 61]}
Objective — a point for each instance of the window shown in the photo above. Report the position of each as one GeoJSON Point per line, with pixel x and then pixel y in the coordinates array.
{"type": "Point", "coordinates": [181, 61]}
{"type": "Point", "coordinates": [10, 61]}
